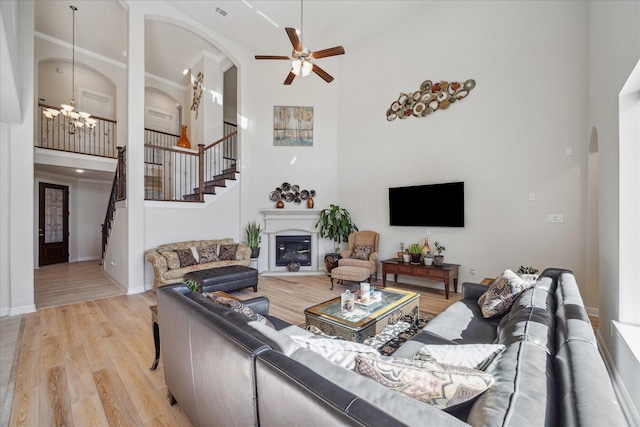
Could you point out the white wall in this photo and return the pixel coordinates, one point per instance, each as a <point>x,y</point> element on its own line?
<point>505,140</point>
<point>16,282</point>
<point>55,87</point>
<point>614,50</point>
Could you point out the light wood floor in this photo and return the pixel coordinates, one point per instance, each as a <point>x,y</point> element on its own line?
<point>66,283</point>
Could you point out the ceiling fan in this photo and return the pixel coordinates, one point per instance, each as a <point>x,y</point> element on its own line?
<point>302,57</point>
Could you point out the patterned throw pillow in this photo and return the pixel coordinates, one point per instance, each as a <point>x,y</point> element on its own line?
<point>173,261</point>
<point>501,294</point>
<point>186,257</point>
<point>340,352</point>
<point>475,356</point>
<point>238,307</point>
<point>436,384</point>
<point>208,254</point>
<point>228,252</point>
<point>362,252</point>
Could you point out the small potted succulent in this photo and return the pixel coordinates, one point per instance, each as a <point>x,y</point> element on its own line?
<point>438,259</point>
<point>401,251</point>
<point>415,250</point>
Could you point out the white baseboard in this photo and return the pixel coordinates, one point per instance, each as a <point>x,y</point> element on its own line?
<point>136,290</point>
<point>14,311</point>
<point>626,403</point>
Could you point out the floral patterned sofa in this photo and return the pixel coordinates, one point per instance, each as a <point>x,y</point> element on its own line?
<point>172,261</point>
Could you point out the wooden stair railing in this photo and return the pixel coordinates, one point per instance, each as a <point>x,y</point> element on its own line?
<point>173,174</point>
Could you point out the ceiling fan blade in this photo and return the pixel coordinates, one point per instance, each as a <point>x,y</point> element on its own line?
<point>272,57</point>
<point>333,51</point>
<point>322,73</point>
<point>289,78</point>
<point>293,36</point>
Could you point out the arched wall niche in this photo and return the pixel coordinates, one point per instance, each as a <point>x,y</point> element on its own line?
<point>55,77</point>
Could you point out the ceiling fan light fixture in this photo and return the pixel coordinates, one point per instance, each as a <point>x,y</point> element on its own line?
<point>296,65</point>
<point>306,68</point>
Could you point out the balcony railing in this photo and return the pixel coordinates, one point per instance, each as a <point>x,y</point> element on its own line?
<point>99,141</point>
<point>175,174</point>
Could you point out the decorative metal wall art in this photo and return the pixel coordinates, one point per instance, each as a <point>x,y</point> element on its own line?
<point>293,126</point>
<point>431,97</point>
<point>197,93</point>
<point>292,193</point>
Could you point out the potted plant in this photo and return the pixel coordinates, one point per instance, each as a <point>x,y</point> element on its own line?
<point>529,274</point>
<point>415,250</point>
<point>335,224</point>
<point>401,251</point>
<point>438,259</point>
<point>254,237</point>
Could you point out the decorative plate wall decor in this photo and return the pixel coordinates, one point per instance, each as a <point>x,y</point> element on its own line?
<point>431,97</point>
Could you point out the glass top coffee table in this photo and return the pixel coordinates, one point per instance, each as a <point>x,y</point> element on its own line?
<point>365,320</point>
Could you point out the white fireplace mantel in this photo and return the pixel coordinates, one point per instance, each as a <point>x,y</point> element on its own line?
<point>287,222</point>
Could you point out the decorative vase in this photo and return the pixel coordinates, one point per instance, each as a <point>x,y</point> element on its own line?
<point>310,203</point>
<point>406,258</point>
<point>183,141</point>
<point>425,249</point>
<point>279,204</point>
<point>428,259</point>
<point>400,253</point>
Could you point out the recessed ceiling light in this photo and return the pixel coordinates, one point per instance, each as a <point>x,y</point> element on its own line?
<point>185,71</point>
<point>80,170</point>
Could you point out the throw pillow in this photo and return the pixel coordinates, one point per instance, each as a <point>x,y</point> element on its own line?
<point>208,254</point>
<point>340,352</point>
<point>238,307</point>
<point>186,257</point>
<point>475,356</point>
<point>436,384</point>
<point>173,261</point>
<point>362,252</point>
<point>228,252</point>
<point>501,294</point>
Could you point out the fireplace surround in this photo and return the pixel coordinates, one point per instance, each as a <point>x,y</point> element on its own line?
<point>287,223</point>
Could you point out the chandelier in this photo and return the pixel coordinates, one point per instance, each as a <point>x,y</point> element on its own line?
<point>72,120</point>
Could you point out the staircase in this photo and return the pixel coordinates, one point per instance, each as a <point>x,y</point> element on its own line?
<point>219,180</point>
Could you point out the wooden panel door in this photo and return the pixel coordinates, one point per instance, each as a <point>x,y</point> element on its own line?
<point>53,224</point>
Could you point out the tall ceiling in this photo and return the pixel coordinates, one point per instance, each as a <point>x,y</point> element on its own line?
<point>257,25</point>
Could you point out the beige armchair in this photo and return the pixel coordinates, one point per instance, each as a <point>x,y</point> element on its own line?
<point>362,252</point>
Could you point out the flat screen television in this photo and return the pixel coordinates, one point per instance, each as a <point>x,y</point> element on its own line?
<point>435,205</point>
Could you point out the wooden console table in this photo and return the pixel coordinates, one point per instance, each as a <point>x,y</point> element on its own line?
<point>446,273</point>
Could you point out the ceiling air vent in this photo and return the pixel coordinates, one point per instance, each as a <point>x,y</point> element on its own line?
<point>222,12</point>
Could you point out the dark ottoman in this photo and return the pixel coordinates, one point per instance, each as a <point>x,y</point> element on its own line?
<point>228,278</point>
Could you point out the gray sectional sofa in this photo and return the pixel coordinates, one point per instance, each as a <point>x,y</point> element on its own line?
<point>226,369</point>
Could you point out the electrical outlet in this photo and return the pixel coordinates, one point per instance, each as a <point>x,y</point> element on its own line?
<point>555,218</point>
<point>472,272</point>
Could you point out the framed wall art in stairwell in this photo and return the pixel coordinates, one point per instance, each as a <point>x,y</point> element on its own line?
<point>293,126</point>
